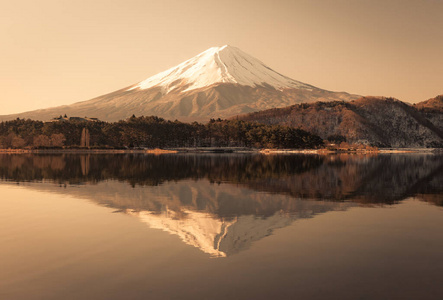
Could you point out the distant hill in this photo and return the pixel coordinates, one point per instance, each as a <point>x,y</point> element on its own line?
<point>435,104</point>
<point>432,109</point>
<point>379,121</point>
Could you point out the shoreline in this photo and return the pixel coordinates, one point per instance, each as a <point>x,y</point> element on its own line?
<point>221,150</point>
<point>86,151</point>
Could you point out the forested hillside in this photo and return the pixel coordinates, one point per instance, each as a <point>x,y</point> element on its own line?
<point>152,132</point>
<point>381,122</point>
<point>432,109</point>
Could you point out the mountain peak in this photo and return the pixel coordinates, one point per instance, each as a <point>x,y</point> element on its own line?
<point>225,64</point>
<point>220,82</point>
<point>220,48</point>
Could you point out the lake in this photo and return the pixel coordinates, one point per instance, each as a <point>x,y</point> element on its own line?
<point>221,226</point>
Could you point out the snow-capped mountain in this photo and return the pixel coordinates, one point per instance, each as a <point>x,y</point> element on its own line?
<point>219,82</point>
<point>225,64</point>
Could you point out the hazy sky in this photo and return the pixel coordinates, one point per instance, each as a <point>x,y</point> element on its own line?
<point>56,52</point>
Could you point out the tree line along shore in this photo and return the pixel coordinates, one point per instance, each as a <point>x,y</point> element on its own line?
<point>154,132</point>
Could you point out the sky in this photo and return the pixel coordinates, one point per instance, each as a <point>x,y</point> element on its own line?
<point>56,52</point>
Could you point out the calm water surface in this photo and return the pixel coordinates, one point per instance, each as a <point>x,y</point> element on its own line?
<point>221,227</point>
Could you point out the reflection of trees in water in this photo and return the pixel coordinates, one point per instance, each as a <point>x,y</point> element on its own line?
<point>431,192</point>
<point>85,164</point>
<point>368,179</point>
<point>377,179</point>
<point>395,176</point>
<point>152,170</point>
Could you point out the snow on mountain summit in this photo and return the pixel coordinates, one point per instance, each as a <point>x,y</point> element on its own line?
<point>224,64</point>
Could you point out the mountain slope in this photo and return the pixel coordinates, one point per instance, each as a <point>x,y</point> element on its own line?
<point>431,104</point>
<point>432,109</point>
<point>379,121</point>
<point>219,82</point>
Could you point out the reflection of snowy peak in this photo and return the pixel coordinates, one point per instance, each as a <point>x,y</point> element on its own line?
<point>221,237</point>
<point>225,64</point>
<point>214,236</point>
<point>198,229</point>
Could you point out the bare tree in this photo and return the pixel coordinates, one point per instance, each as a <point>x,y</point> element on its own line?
<point>42,141</point>
<point>58,140</point>
<point>7,140</point>
<point>18,142</point>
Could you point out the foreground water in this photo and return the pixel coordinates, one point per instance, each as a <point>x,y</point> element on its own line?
<point>221,227</point>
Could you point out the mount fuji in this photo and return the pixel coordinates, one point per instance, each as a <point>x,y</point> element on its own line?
<point>219,82</point>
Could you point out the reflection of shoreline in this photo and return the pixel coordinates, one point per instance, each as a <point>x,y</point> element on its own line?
<point>361,178</point>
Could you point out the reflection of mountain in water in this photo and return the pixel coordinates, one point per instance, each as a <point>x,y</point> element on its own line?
<point>222,204</point>
<point>219,219</point>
